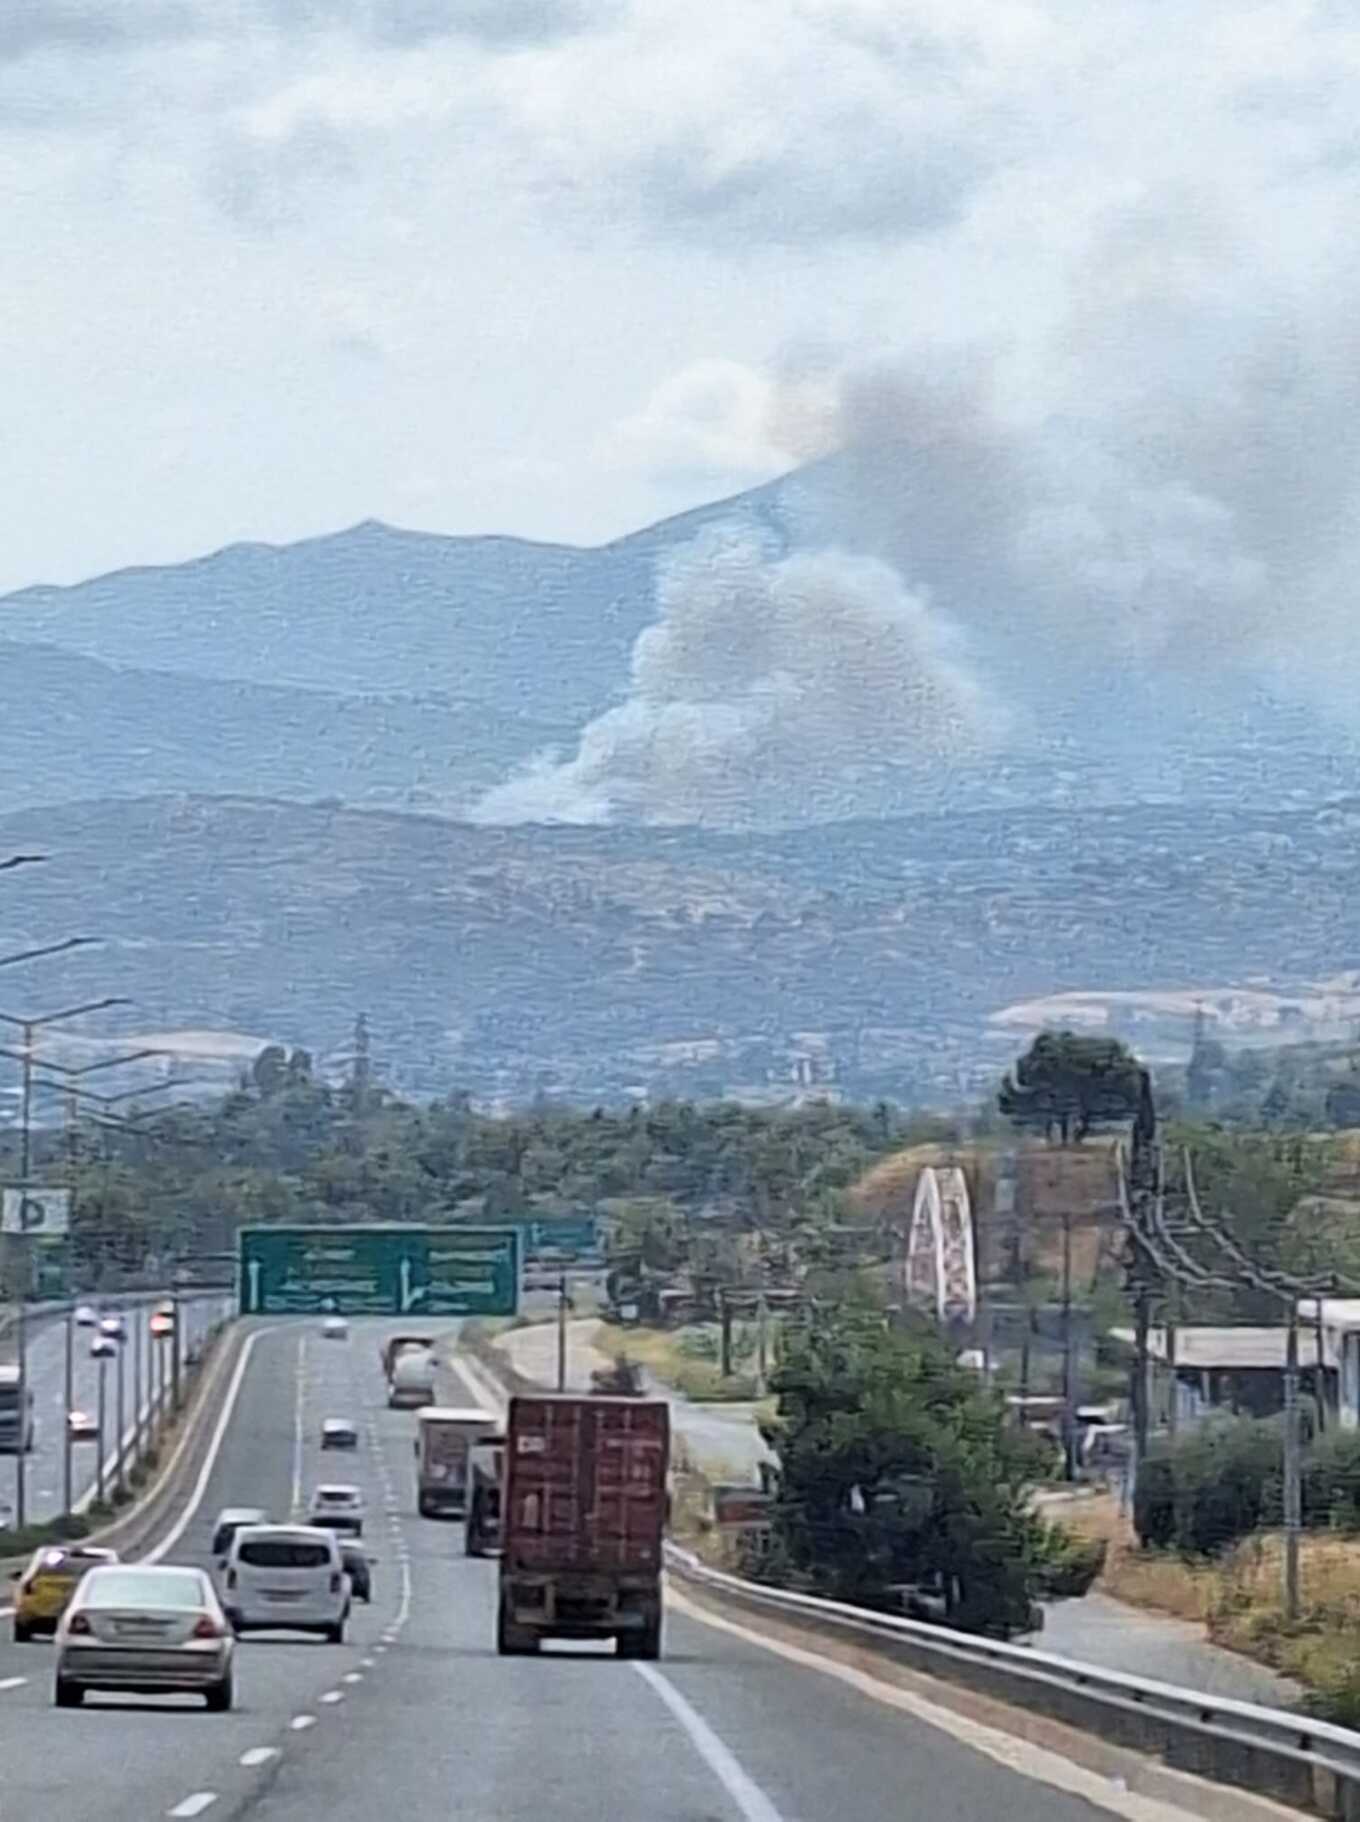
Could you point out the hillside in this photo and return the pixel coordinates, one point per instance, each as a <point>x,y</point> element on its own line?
<point>73,727</point>
<point>531,644</point>
<point>866,959</point>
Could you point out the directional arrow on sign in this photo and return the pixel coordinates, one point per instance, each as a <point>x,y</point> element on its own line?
<point>409,1297</point>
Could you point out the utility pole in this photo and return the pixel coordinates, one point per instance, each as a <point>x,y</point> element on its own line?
<point>562,1333</point>
<point>1069,1417</point>
<point>1293,1502</point>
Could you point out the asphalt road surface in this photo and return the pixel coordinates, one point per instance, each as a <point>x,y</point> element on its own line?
<point>415,1716</point>
<point>46,1369</point>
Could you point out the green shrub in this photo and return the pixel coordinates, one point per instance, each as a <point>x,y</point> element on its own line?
<point>1206,1490</point>
<point>1066,1565</point>
<point>1154,1501</point>
<point>1331,1482</point>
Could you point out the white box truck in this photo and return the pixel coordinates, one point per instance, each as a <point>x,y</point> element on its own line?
<point>445,1436</point>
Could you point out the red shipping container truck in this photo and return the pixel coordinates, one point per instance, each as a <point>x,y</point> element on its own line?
<point>582,1521</point>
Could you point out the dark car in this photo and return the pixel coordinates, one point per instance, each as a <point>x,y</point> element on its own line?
<point>357,1568</point>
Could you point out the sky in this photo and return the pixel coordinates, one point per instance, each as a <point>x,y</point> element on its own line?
<point>560,267</point>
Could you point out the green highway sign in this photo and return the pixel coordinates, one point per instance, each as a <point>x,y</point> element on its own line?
<point>571,1234</point>
<point>391,1270</point>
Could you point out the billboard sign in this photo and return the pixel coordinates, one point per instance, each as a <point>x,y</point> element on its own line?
<point>390,1270</point>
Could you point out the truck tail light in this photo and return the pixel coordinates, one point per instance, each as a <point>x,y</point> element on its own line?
<point>336,1582</point>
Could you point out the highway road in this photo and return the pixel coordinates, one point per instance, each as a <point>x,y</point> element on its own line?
<point>415,1716</point>
<point>46,1368</point>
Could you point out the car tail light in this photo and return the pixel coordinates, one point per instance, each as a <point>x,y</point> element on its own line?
<point>78,1623</point>
<point>207,1628</point>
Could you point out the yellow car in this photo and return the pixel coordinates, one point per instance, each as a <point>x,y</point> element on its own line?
<point>44,1588</point>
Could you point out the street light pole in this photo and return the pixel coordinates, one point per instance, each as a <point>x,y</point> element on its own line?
<point>27,1029</point>
<point>136,1393</point>
<point>25,1267</point>
<point>120,1453</point>
<point>67,1467</point>
<point>103,1412</point>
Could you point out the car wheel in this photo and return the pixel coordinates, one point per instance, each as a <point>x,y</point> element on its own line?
<point>67,1695</point>
<point>514,1641</point>
<point>219,1697</point>
<point>335,1635</point>
<point>23,1632</point>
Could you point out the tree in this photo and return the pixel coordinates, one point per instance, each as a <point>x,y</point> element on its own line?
<point>896,1466</point>
<point>269,1072</point>
<point>1069,1085</point>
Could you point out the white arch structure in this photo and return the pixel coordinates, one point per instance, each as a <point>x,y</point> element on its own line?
<point>941,1266</point>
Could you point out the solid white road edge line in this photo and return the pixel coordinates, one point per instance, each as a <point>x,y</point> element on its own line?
<point>224,1417</point>
<point>1031,1761</point>
<point>483,1388</point>
<point>749,1798</point>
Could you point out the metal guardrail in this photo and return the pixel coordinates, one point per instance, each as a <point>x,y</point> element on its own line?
<point>1311,1764</point>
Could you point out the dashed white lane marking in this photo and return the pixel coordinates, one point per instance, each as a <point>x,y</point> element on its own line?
<point>259,1755</point>
<point>378,1650</point>
<point>353,1676</point>
<point>366,1663</point>
<point>301,1722</point>
<point>195,1805</point>
<point>12,1682</point>
<point>749,1798</point>
<point>334,1695</point>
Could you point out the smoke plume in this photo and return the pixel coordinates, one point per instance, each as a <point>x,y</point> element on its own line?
<point>771,689</point>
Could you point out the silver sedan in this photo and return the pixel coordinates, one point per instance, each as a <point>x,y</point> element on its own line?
<point>147,1631</point>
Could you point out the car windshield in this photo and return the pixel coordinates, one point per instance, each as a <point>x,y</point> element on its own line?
<point>142,1588</point>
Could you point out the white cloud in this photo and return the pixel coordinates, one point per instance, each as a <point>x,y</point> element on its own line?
<point>576,241</point>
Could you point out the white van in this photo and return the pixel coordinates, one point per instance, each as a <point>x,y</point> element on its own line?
<point>286,1578</point>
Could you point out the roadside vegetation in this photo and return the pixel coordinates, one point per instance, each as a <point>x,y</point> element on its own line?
<point>901,1487</point>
